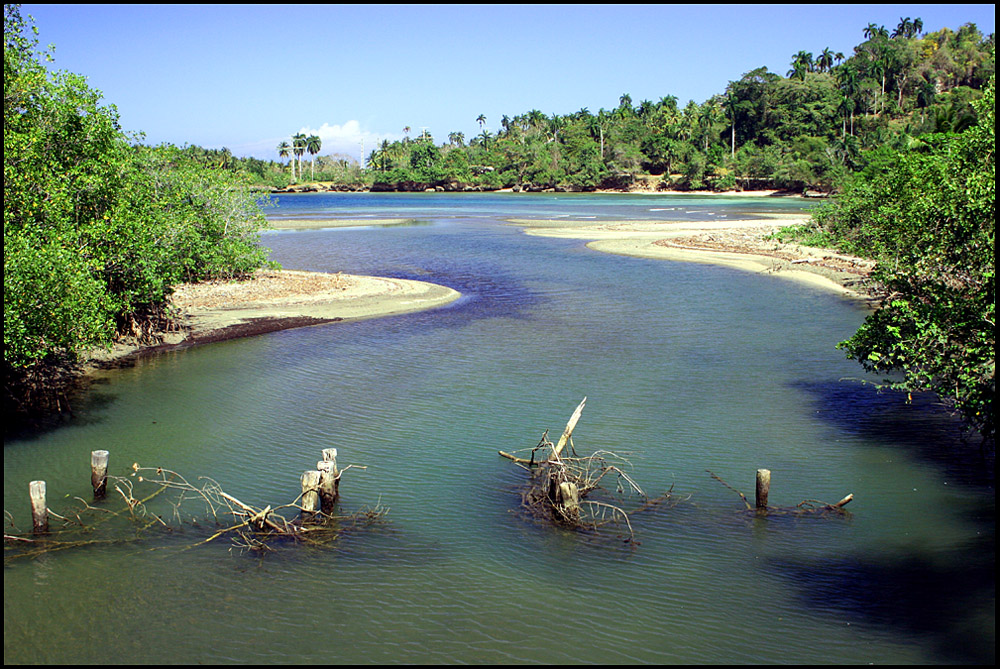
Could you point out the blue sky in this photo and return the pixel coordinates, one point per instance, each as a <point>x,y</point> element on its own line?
<point>248,76</point>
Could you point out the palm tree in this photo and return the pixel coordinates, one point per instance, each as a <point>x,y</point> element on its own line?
<point>505,124</point>
<point>825,60</point>
<point>456,139</point>
<point>802,62</point>
<point>731,104</point>
<point>536,119</point>
<point>904,29</point>
<point>384,153</point>
<point>481,119</point>
<point>299,148</point>
<point>313,144</point>
<point>625,106</point>
<point>709,115</point>
<point>645,110</point>
<point>283,150</point>
<point>849,82</point>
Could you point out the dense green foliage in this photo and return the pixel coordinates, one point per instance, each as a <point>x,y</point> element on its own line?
<point>98,229</point>
<point>809,129</point>
<point>927,215</point>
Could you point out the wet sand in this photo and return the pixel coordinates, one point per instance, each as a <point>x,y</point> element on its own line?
<point>740,244</point>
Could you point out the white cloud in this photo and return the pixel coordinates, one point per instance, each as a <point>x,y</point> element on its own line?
<point>346,139</point>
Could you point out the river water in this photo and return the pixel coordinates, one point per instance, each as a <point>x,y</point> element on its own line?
<point>688,368</point>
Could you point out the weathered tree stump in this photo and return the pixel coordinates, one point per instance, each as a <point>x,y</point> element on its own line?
<point>39,510</point>
<point>568,500</point>
<point>329,485</point>
<point>99,473</point>
<point>329,482</point>
<point>763,487</point>
<point>310,492</point>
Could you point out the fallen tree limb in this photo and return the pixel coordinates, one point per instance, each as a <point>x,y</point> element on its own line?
<point>805,507</point>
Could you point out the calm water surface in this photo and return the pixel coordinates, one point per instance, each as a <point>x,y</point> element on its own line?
<point>686,367</point>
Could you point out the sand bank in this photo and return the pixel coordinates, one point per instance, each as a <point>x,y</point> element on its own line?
<point>740,244</point>
<point>279,300</point>
<point>320,223</point>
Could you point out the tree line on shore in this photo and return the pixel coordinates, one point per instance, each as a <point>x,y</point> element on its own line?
<point>927,215</point>
<point>811,128</point>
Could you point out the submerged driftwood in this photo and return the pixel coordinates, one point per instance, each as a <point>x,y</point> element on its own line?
<point>803,508</point>
<point>567,489</point>
<point>191,505</point>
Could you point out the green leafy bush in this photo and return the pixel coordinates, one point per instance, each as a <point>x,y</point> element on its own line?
<point>98,230</point>
<point>928,217</point>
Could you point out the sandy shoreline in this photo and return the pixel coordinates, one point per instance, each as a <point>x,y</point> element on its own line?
<point>278,300</point>
<point>320,223</point>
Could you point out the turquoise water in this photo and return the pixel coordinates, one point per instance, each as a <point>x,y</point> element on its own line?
<point>686,367</point>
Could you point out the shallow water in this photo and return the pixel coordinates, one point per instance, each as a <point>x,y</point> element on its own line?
<point>686,367</point>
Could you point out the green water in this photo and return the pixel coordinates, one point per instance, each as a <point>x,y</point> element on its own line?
<point>686,367</point>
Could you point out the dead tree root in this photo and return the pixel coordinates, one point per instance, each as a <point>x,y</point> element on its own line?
<point>571,491</point>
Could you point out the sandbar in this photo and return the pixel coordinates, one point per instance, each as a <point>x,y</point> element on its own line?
<point>320,223</point>
<point>744,244</point>
<point>277,300</point>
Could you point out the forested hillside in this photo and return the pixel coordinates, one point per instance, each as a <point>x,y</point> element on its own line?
<point>927,214</point>
<point>805,128</point>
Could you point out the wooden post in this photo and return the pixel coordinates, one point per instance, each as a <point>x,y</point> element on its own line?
<point>330,455</point>
<point>39,510</point>
<point>763,487</point>
<point>310,496</point>
<point>329,484</point>
<point>99,473</point>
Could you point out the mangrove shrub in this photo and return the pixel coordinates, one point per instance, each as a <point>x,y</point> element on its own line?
<point>927,215</point>
<point>98,229</point>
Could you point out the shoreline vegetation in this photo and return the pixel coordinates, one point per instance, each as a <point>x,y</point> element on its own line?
<point>639,185</point>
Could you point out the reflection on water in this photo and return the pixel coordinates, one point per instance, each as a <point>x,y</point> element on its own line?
<point>686,368</point>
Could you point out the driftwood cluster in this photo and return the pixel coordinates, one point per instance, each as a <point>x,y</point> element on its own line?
<point>761,506</point>
<point>564,488</point>
<point>567,489</point>
<point>309,519</point>
<point>572,491</point>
